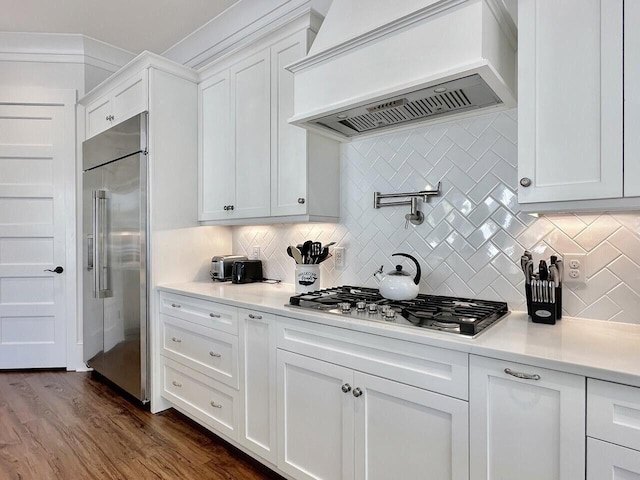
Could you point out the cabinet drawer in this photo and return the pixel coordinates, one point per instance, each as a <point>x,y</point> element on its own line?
<point>130,97</point>
<point>613,413</point>
<point>200,397</point>
<point>208,351</point>
<point>431,368</point>
<point>203,312</point>
<point>606,461</point>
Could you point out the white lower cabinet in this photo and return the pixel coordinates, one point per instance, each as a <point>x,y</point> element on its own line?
<point>337,423</point>
<point>606,461</point>
<point>526,423</point>
<point>258,359</point>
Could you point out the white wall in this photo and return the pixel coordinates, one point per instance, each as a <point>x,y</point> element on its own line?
<point>473,235</point>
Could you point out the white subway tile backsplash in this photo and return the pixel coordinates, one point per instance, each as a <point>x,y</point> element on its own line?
<point>473,235</point>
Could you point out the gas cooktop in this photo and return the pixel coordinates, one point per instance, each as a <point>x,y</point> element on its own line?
<point>462,316</point>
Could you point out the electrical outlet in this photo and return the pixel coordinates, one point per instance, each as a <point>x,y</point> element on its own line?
<point>256,252</point>
<point>338,257</point>
<point>575,265</point>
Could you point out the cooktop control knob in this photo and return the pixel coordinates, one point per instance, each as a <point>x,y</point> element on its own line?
<point>361,306</point>
<point>372,308</point>
<point>345,307</point>
<point>389,314</point>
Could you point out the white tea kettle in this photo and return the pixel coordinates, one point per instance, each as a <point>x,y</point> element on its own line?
<point>398,284</point>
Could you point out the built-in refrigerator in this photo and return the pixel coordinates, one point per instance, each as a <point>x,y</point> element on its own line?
<point>115,239</point>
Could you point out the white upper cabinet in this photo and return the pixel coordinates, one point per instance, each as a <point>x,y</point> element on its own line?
<point>254,165</point>
<point>123,101</point>
<point>632,98</point>
<point>570,102</point>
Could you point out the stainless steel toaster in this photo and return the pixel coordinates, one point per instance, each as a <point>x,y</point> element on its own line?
<point>221,266</point>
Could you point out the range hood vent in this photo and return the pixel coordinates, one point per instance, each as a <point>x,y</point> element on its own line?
<point>440,100</point>
<point>378,65</point>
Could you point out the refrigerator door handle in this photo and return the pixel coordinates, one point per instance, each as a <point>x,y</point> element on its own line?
<point>90,252</point>
<point>101,261</point>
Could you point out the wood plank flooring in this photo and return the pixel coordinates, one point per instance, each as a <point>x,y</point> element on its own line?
<point>68,426</point>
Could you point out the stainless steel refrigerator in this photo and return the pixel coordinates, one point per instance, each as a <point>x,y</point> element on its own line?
<point>115,239</point>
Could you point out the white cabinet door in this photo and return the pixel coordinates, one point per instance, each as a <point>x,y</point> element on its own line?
<point>570,100</point>
<point>130,97</point>
<point>126,99</point>
<point>288,142</point>
<point>251,111</point>
<point>529,428</point>
<point>405,432</point>
<point>606,461</point>
<point>98,116</point>
<point>258,415</point>
<point>315,418</point>
<point>631,98</point>
<point>217,173</point>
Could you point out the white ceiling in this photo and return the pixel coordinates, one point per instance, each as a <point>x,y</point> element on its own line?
<point>134,25</point>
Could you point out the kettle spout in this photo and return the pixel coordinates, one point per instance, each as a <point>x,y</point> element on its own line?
<point>378,275</point>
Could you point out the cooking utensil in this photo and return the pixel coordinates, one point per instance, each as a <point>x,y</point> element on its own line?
<point>324,255</point>
<point>306,246</point>
<point>398,285</point>
<point>295,253</point>
<point>315,251</point>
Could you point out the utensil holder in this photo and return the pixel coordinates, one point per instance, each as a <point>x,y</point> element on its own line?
<point>307,278</point>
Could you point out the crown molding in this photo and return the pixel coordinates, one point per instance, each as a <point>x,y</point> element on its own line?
<point>61,48</point>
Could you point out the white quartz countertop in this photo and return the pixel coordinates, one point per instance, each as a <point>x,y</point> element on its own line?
<point>604,350</point>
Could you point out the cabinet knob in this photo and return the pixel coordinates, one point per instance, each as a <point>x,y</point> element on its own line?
<point>301,201</point>
<point>256,317</point>
<point>525,182</point>
<point>216,405</point>
<point>346,388</point>
<point>214,354</point>
<point>357,392</point>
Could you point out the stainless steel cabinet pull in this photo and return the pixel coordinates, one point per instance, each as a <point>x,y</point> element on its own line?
<point>524,376</point>
<point>176,339</point>
<point>346,388</point>
<point>214,315</point>
<point>301,201</point>
<point>216,405</point>
<point>357,392</point>
<point>256,317</point>
<point>176,384</point>
<point>214,354</point>
<point>176,305</point>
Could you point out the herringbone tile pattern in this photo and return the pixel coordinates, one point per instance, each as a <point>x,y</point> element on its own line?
<point>473,234</point>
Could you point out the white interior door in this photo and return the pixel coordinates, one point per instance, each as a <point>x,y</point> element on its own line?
<point>34,148</point>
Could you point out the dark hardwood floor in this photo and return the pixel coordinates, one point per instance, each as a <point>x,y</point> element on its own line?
<point>70,426</point>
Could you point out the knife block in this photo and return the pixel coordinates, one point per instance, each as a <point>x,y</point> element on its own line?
<point>544,312</point>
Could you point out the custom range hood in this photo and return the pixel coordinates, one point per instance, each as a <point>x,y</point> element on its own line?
<point>379,64</point>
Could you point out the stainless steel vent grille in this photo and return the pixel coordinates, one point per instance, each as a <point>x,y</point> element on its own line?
<point>389,114</point>
<point>455,97</point>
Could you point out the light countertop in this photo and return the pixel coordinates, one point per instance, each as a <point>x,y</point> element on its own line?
<point>593,348</point>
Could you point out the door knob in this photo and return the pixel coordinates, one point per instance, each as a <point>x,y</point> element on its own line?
<point>58,269</point>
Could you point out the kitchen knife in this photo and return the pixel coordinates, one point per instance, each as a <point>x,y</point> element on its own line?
<point>534,291</point>
<point>545,291</point>
<point>543,270</point>
<point>524,263</point>
<point>552,292</point>
<point>560,267</point>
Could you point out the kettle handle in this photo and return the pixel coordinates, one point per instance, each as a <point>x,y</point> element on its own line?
<point>416,279</point>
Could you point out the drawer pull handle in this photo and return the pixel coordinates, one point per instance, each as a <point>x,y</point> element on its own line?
<point>214,315</point>
<point>256,317</point>
<point>176,305</point>
<point>524,376</point>
<point>216,405</point>
<point>214,354</point>
<point>176,339</point>
<point>176,384</point>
